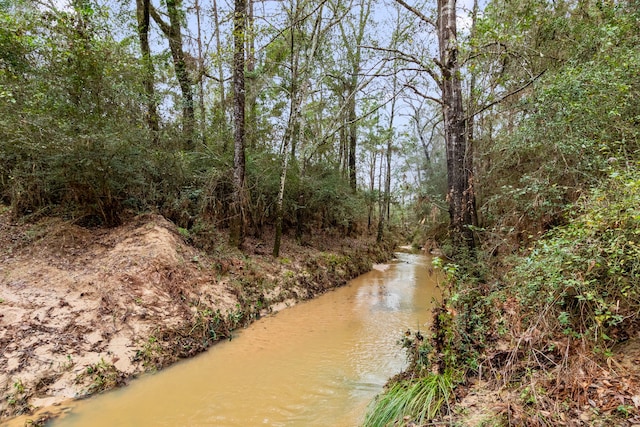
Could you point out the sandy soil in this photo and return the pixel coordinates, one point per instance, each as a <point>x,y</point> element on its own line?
<point>83,310</point>
<point>73,298</point>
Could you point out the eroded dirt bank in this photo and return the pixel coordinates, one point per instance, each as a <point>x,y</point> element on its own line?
<point>84,310</point>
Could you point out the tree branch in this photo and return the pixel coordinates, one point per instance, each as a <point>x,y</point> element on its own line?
<point>481,51</point>
<point>416,12</point>
<point>166,29</point>
<point>409,58</point>
<point>424,95</point>
<point>513,92</point>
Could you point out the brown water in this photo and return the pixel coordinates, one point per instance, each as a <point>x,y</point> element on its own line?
<point>318,363</point>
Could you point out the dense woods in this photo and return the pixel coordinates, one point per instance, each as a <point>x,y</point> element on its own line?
<point>543,313</point>
<point>187,109</point>
<point>504,132</point>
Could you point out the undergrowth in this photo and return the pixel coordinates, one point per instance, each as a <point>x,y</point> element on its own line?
<point>581,280</point>
<point>416,400</point>
<point>578,282</point>
<point>543,324</point>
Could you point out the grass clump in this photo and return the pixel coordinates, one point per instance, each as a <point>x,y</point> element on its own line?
<point>417,400</point>
<point>102,376</point>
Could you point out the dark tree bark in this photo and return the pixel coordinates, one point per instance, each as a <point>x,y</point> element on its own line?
<point>237,231</point>
<point>173,32</point>
<point>460,193</point>
<point>142,9</point>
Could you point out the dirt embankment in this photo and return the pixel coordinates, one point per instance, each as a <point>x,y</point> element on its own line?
<point>84,310</point>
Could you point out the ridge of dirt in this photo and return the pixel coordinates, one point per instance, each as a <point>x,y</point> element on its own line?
<point>83,310</point>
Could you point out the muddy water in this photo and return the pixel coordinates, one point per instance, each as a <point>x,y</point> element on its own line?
<point>316,364</point>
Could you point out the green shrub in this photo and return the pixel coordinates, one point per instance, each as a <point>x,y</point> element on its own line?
<point>72,133</point>
<point>585,276</point>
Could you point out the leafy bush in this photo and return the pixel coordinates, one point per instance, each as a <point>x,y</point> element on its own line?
<point>584,276</point>
<point>581,117</point>
<point>72,133</point>
<point>329,200</point>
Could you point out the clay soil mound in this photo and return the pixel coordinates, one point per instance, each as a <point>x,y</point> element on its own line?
<point>78,305</point>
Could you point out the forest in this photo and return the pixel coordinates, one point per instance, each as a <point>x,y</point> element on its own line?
<point>503,135</point>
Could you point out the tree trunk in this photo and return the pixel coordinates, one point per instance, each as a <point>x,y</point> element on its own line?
<point>471,125</point>
<point>372,186</point>
<point>279,202</point>
<point>297,94</point>
<point>173,32</point>
<point>353,129</point>
<point>380,203</point>
<point>142,9</point>
<point>289,135</point>
<point>387,183</point>
<point>353,44</point>
<point>344,144</point>
<point>300,226</point>
<point>237,231</point>
<point>460,193</point>
<point>252,112</point>
<point>221,114</point>
<point>201,72</point>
